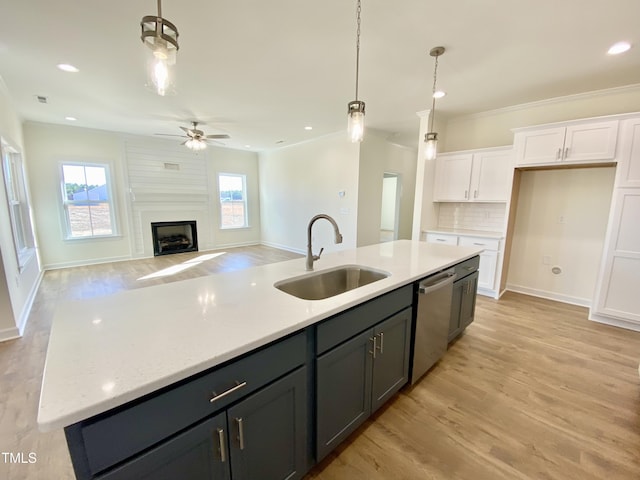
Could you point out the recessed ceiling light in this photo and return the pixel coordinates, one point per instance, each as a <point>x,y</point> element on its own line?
<point>65,67</point>
<point>439,94</point>
<point>247,146</point>
<point>618,48</point>
<point>71,119</point>
<point>308,127</point>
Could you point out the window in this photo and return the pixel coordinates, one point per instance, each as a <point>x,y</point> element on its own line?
<point>233,200</point>
<point>18,204</point>
<point>87,200</point>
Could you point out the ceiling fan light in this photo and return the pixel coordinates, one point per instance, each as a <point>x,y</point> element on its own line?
<point>195,145</point>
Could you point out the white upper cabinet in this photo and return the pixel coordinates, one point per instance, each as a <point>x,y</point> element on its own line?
<point>585,142</point>
<point>474,176</point>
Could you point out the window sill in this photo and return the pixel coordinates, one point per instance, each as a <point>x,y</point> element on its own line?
<point>116,236</point>
<point>247,227</point>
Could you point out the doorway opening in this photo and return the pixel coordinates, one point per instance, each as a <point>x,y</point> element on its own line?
<point>390,211</point>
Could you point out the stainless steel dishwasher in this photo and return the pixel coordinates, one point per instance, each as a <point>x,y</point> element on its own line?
<point>432,321</point>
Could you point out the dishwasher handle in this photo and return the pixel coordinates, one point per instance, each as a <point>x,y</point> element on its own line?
<point>438,281</point>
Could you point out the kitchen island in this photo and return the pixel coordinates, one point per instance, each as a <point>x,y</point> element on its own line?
<point>107,354</point>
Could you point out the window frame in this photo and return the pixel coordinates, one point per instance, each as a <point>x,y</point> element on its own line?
<point>66,227</point>
<point>243,177</point>
<point>15,184</point>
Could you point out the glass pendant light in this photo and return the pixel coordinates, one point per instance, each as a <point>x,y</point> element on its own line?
<point>355,108</point>
<point>431,138</point>
<point>161,36</point>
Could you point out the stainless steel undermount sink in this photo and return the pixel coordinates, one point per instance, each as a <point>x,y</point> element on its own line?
<point>331,282</point>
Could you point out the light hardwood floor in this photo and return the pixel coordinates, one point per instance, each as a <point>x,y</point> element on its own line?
<point>532,390</point>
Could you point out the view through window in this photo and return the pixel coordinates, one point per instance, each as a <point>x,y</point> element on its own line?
<point>87,200</point>
<point>233,200</point>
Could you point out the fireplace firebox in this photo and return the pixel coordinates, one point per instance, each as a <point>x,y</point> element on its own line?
<point>174,237</point>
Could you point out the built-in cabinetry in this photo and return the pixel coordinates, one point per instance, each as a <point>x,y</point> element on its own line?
<point>578,142</point>
<point>482,175</point>
<point>463,302</point>
<point>244,420</point>
<point>490,259</point>
<point>363,359</point>
<point>617,300</point>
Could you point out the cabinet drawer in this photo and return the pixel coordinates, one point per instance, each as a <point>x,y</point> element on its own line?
<point>467,267</point>
<point>442,238</point>
<point>486,243</point>
<point>143,423</point>
<point>345,325</point>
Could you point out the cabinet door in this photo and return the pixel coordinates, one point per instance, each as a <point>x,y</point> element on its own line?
<point>269,431</point>
<point>200,453</point>
<point>343,391</point>
<point>591,142</point>
<point>452,177</point>
<point>456,303</point>
<point>487,270</point>
<point>491,176</point>
<point>618,287</point>
<point>468,300</point>
<point>539,147</point>
<point>391,361</point>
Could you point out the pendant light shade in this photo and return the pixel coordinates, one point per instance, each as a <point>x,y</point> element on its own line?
<point>355,108</point>
<point>161,38</point>
<point>431,138</point>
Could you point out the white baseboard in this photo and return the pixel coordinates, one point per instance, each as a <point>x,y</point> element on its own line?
<point>488,293</point>
<point>616,322</point>
<point>283,247</point>
<point>9,334</point>
<point>534,292</point>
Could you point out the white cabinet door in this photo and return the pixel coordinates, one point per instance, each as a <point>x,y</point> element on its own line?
<point>628,171</point>
<point>453,174</point>
<point>618,289</point>
<point>539,147</point>
<point>491,176</point>
<point>487,269</point>
<point>591,142</point>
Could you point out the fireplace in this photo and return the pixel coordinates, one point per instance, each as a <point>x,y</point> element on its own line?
<point>174,237</point>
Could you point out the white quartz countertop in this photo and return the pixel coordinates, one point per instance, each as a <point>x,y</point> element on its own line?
<point>106,351</point>
<point>464,232</point>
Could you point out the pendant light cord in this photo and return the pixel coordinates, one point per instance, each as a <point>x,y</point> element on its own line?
<point>358,10</point>
<point>433,104</point>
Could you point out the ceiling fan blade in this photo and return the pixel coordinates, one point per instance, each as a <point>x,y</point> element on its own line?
<point>221,135</point>
<point>185,130</point>
<point>168,135</point>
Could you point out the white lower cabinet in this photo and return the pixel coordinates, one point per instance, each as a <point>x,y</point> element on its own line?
<point>617,291</point>
<point>490,258</point>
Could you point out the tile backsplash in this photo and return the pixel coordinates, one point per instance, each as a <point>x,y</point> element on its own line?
<point>489,217</point>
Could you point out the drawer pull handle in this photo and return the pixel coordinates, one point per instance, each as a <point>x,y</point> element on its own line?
<point>216,397</point>
<point>469,269</point>
<point>440,240</point>
<point>566,153</point>
<point>240,432</point>
<point>559,153</point>
<point>223,449</point>
<point>480,244</point>
<point>374,339</point>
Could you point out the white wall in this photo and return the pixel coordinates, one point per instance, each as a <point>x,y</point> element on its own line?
<point>582,198</point>
<point>389,196</point>
<point>300,181</point>
<point>378,156</point>
<point>493,129</point>
<point>17,286</point>
<point>48,145</point>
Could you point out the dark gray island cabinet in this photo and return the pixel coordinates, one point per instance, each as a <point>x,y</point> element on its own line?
<point>271,413</point>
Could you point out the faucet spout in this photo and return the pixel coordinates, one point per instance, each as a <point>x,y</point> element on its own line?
<point>338,239</point>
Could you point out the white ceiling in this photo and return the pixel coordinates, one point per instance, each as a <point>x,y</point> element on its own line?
<point>263,70</point>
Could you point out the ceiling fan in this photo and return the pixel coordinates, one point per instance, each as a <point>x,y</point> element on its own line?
<point>196,139</point>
